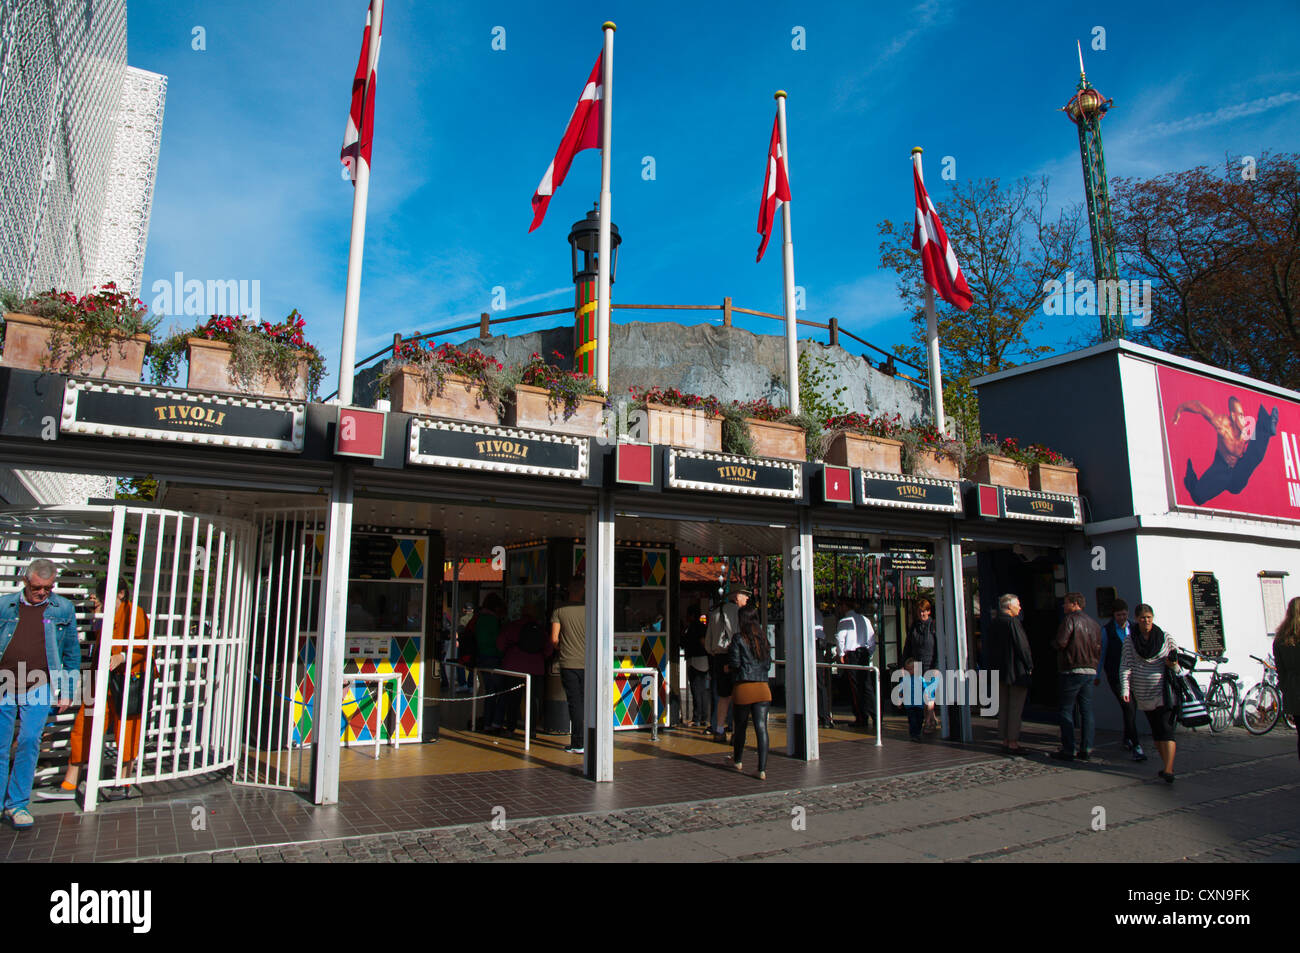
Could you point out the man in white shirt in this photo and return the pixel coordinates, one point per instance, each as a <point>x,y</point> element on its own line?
<point>856,640</point>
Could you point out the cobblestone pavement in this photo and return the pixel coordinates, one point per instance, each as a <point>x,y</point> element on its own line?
<point>1235,800</point>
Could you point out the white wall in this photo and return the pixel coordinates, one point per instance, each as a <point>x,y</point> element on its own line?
<point>1167,564</point>
<point>1146,446</point>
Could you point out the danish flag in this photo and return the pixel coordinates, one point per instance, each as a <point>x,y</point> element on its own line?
<point>942,272</point>
<point>582,132</point>
<point>356,139</point>
<point>776,188</point>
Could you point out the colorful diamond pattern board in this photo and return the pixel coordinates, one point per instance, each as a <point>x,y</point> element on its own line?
<point>654,567</point>
<point>633,706</point>
<point>317,554</point>
<point>579,560</point>
<point>359,716</point>
<point>528,567</point>
<point>409,557</point>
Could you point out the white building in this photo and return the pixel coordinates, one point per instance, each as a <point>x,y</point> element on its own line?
<point>1155,438</point>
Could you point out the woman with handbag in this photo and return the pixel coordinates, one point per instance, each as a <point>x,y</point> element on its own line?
<point>1286,655</point>
<point>126,690</point>
<point>921,655</point>
<point>750,659</point>
<point>1147,668</point>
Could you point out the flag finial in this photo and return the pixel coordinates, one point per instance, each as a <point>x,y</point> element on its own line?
<point>779,94</point>
<point>609,25</point>
<point>917,150</point>
<point>1079,46</point>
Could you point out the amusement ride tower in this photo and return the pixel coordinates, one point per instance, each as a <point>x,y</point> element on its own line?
<point>1085,109</point>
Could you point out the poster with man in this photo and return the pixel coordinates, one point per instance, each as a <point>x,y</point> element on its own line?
<point>1230,448</point>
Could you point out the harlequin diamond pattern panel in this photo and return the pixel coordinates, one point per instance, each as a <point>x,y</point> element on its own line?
<point>633,706</point>
<point>579,560</point>
<point>408,558</point>
<point>359,715</point>
<point>654,567</point>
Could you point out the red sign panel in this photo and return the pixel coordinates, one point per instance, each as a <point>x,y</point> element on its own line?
<point>635,463</point>
<point>989,503</point>
<point>1230,448</point>
<point>839,484</point>
<point>360,433</point>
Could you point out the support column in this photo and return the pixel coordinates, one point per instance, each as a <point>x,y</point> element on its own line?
<point>598,704</point>
<point>328,697</point>
<point>964,663</point>
<point>801,655</point>
<point>950,619</point>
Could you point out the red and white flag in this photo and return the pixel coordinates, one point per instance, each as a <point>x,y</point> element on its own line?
<point>582,132</point>
<point>942,272</point>
<point>776,188</point>
<point>356,139</point>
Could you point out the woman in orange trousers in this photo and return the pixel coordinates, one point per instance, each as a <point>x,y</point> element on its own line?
<point>130,744</point>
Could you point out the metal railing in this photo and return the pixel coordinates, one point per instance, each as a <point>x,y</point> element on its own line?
<point>834,666</point>
<point>486,321</point>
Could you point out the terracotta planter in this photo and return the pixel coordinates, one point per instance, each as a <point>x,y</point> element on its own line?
<point>868,453</point>
<point>682,427</point>
<point>1001,471</point>
<point>461,398</point>
<point>931,463</point>
<point>532,408</point>
<point>1053,479</point>
<point>772,439</point>
<point>210,370</point>
<point>27,346</point>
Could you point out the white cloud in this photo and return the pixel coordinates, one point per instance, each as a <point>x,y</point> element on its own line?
<point>1225,114</point>
<point>863,303</point>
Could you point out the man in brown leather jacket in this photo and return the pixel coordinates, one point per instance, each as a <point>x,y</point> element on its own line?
<point>1078,649</point>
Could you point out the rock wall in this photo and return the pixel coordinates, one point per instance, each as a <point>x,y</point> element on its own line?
<point>728,362</point>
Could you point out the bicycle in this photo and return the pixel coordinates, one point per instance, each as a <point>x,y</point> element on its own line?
<point>1263,703</point>
<point>1223,697</point>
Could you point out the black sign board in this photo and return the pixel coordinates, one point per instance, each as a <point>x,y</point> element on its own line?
<point>627,568</point>
<point>910,493</point>
<point>722,473</point>
<point>918,558</point>
<point>1047,507</point>
<point>1207,613</point>
<point>497,449</point>
<point>137,412</point>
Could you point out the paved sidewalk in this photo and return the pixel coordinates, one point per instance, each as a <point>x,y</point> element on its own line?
<point>1235,799</point>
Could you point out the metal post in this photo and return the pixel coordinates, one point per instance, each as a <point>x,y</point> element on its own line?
<point>598,705</point>
<point>958,587</point>
<point>606,213</point>
<point>800,653</point>
<point>787,261</point>
<point>328,698</point>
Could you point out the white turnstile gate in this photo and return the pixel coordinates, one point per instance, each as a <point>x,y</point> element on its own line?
<point>216,649</point>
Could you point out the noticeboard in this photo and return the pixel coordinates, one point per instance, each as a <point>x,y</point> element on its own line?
<point>1207,614</point>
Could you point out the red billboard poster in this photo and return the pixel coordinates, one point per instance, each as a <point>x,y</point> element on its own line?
<point>1230,448</point>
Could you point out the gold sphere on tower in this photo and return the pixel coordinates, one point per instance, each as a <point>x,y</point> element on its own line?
<point>1086,104</point>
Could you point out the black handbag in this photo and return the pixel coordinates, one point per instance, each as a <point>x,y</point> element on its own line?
<point>1172,697</point>
<point>134,694</point>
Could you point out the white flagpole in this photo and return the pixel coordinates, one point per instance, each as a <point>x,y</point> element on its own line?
<point>360,196</point>
<point>932,333</point>
<point>787,260</point>
<point>606,203</point>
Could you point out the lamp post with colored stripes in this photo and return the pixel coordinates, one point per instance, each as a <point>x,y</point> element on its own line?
<point>584,242</point>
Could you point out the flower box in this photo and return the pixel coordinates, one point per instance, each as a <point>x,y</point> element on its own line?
<point>1001,471</point>
<point>772,439</point>
<point>210,370</point>
<point>27,346</point>
<point>1053,479</point>
<point>932,463</point>
<point>847,449</point>
<point>532,407</point>
<point>461,398</point>
<point>684,427</point>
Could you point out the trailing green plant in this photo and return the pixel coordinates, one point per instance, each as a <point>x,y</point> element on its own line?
<point>764,410</point>
<point>256,351</point>
<point>92,325</point>
<point>434,364</point>
<point>736,438</point>
<point>926,436</point>
<point>816,395</point>
<point>564,388</point>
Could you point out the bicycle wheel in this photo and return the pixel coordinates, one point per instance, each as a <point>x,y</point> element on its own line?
<point>1222,705</point>
<point>1260,708</point>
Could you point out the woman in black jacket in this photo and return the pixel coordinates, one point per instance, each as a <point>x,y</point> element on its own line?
<point>1286,654</point>
<point>750,695</point>
<point>921,655</point>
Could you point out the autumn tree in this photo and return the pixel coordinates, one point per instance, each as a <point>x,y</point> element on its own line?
<point>1222,252</point>
<point>1010,246</point>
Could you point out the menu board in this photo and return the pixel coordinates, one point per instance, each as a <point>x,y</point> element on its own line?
<point>1207,614</point>
<point>627,567</point>
<point>1274,601</point>
<point>372,556</point>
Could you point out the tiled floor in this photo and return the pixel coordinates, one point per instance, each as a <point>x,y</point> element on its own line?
<point>215,815</point>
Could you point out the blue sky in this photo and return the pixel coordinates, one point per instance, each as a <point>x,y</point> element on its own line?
<point>249,184</point>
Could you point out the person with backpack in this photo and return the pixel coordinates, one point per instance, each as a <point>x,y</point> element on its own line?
<point>724,625</point>
<point>525,648</point>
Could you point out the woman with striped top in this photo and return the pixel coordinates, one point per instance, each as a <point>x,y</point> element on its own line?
<point>1147,654</point>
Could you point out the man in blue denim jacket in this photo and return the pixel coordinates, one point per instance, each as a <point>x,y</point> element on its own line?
<point>40,662</point>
